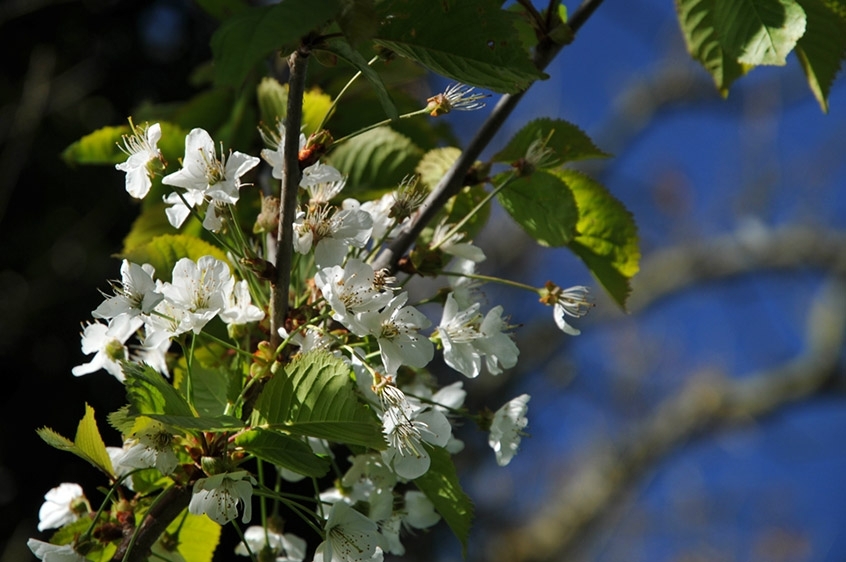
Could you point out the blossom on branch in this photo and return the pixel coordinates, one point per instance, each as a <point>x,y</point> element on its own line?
<point>144,158</point>
<point>218,496</point>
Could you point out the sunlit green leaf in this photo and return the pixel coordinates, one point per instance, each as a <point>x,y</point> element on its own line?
<point>759,32</point>
<point>198,537</point>
<point>435,164</point>
<point>606,235</point>
<point>151,223</point>
<point>98,147</point>
<point>162,252</point>
<point>377,159</point>
<point>283,450</point>
<point>316,105</point>
<point>441,486</point>
<point>87,444</point>
<point>566,142</point>
<point>315,397</point>
<point>200,423</point>
<point>543,205</point>
<point>245,39</point>
<point>474,43</point>
<point>150,393</point>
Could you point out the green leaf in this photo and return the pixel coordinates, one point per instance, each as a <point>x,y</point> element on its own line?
<point>606,235</point>
<point>315,397</point>
<point>435,164</point>
<point>213,381</point>
<point>474,43</point>
<point>200,423</point>
<point>151,223</point>
<point>162,252</point>
<point>759,32</point>
<point>377,159</point>
<point>87,444</point>
<point>441,486</point>
<point>123,419</point>
<point>99,147</point>
<point>149,392</point>
<point>316,105</point>
<point>273,101</point>
<point>567,142</point>
<point>543,205</point>
<point>198,537</point>
<point>696,18</point>
<point>343,49</point>
<point>245,39</point>
<point>283,450</point>
<point>822,48</point>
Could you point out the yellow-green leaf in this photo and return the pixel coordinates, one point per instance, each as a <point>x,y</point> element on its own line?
<point>90,443</point>
<point>198,537</point>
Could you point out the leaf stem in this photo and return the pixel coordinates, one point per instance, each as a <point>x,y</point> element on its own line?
<point>340,94</point>
<point>423,111</point>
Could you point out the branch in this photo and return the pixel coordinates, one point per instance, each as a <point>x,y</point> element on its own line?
<point>560,526</point>
<point>166,509</point>
<point>453,180</point>
<point>298,63</point>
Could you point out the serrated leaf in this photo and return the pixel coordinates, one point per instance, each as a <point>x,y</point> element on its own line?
<point>696,18</point>
<point>343,49</point>
<point>200,423</point>
<point>315,397</point>
<point>475,43</point>
<point>98,147</point>
<point>543,205</point>
<point>149,393</point>
<point>377,159</point>
<point>316,104</point>
<point>759,32</point>
<point>606,235</point>
<point>822,48</point>
<point>441,486</point>
<point>283,450</point>
<point>162,252</point>
<point>198,537</point>
<point>90,443</point>
<point>87,445</point>
<point>245,39</point>
<point>435,163</point>
<point>123,419</point>
<point>567,142</point>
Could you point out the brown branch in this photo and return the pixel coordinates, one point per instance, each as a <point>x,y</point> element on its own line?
<point>453,180</point>
<point>705,404</point>
<point>298,63</point>
<point>172,502</point>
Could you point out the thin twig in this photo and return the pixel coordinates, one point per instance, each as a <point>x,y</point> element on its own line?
<point>298,63</point>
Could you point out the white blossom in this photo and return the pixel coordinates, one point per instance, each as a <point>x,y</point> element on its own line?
<point>218,496</point>
<point>417,512</point>
<point>205,176</point>
<point>142,150</point>
<point>151,447</point>
<point>285,547</point>
<point>239,307</point>
<point>275,157</point>
<point>351,290</point>
<point>570,302</point>
<point>135,294</point>
<point>201,288</point>
<point>108,344</point>
<point>396,329</point>
<point>61,506</point>
<point>54,552</point>
<point>331,232</point>
<point>507,428</point>
<point>452,244</point>
<point>350,537</point>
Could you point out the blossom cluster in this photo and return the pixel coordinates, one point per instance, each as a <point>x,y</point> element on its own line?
<point>363,317</point>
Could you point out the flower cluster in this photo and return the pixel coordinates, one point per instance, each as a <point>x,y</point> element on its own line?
<point>340,385</point>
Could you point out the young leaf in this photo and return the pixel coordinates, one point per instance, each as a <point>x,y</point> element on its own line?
<point>543,205</point>
<point>149,392</point>
<point>98,147</point>
<point>315,397</point>
<point>377,159</point>
<point>822,48</point>
<point>316,105</point>
<point>696,18</point>
<point>245,39</point>
<point>566,141</point>
<point>90,444</point>
<point>474,43</point>
<point>759,32</point>
<point>283,450</point>
<point>435,164</point>
<point>162,252</point>
<point>198,537</point>
<point>152,222</point>
<point>343,49</point>
<point>606,235</point>
<point>441,486</point>
<point>87,445</point>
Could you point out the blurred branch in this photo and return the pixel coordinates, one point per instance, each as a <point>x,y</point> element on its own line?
<point>705,404</point>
